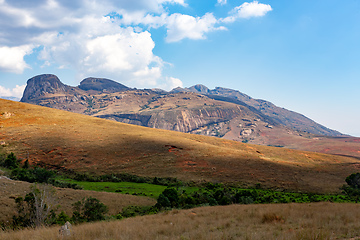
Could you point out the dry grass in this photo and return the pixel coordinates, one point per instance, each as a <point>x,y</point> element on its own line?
<point>9,190</point>
<point>82,143</point>
<point>299,221</point>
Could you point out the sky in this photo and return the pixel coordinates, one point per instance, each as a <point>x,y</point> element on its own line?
<point>302,55</point>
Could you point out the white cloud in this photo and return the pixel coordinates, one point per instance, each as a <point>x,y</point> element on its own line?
<point>171,83</point>
<point>222,2</point>
<point>181,26</point>
<point>248,10</point>
<point>181,2</point>
<point>5,92</point>
<point>15,92</point>
<point>76,35</point>
<point>12,58</point>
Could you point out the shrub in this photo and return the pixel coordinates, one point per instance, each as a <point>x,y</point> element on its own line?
<point>353,180</point>
<point>89,210</point>
<point>132,211</point>
<point>62,218</point>
<point>11,162</point>
<point>37,208</point>
<point>163,202</point>
<point>40,175</point>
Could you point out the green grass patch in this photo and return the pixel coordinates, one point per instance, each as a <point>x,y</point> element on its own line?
<point>139,189</point>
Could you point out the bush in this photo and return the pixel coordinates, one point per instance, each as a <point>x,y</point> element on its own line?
<point>11,162</point>
<point>132,211</point>
<point>62,218</point>
<point>36,208</point>
<point>89,210</point>
<point>353,180</point>
<point>40,175</point>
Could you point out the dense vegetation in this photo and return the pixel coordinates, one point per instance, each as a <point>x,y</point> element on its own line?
<point>171,194</point>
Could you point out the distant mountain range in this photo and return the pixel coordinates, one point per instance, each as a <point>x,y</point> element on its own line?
<point>10,98</point>
<point>220,112</point>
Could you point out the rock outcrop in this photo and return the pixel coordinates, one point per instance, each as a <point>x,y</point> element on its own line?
<point>42,85</point>
<point>102,85</point>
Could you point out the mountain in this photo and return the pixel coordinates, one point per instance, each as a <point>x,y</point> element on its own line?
<point>69,141</point>
<point>221,112</point>
<point>282,116</point>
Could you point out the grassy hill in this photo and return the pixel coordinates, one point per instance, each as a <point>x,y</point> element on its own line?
<point>65,198</point>
<point>81,143</point>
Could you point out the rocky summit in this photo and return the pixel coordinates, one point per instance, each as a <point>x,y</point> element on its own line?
<point>102,85</point>
<point>220,112</point>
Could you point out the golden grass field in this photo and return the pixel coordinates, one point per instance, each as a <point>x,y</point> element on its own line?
<point>275,221</point>
<point>67,140</point>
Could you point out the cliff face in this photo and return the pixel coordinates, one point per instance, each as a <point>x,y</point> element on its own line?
<point>293,120</point>
<point>42,85</point>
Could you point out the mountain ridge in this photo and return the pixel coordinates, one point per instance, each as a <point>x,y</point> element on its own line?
<point>48,90</point>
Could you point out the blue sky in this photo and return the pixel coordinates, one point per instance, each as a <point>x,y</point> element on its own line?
<point>301,55</point>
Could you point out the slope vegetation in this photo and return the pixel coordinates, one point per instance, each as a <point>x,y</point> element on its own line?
<point>65,140</point>
<point>65,197</point>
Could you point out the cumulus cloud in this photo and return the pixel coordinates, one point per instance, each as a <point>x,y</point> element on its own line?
<point>222,2</point>
<point>15,92</point>
<point>248,10</point>
<point>77,34</point>
<point>109,38</point>
<point>171,83</point>
<point>12,58</point>
<point>181,26</point>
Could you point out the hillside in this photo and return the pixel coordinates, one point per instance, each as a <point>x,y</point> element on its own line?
<point>65,197</point>
<point>221,112</point>
<point>65,140</point>
<point>256,222</point>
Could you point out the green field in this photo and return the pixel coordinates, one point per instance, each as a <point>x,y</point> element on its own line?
<point>140,189</point>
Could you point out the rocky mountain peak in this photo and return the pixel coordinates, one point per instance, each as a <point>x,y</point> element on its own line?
<point>199,88</point>
<point>41,85</point>
<point>101,84</point>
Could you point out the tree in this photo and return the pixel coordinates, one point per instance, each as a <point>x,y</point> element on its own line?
<point>26,164</point>
<point>37,208</point>
<point>353,180</point>
<point>44,202</point>
<point>11,161</point>
<point>163,202</point>
<point>89,209</point>
<point>353,187</point>
<point>62,218</point>
<point>168,198</point>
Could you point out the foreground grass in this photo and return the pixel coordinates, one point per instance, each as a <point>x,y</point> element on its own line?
<point>268,221</point>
